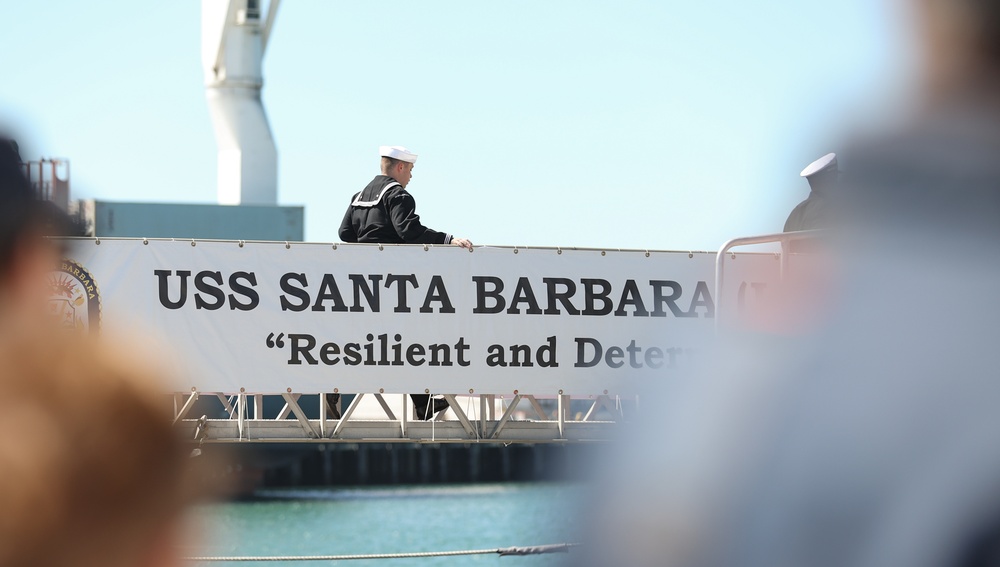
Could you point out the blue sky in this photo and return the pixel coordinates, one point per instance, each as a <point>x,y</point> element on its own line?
<point>620,124</point>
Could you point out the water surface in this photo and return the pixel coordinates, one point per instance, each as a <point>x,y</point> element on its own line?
<point>398,519</point>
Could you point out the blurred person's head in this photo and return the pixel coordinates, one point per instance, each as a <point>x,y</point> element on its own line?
<point>26,255</point>
<point>960,41</point>
<point>93,473</point>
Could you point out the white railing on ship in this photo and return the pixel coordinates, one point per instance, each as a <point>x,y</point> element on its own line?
<point>783,238</point>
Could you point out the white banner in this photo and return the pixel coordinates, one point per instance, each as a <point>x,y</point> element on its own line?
<point>268,317</point>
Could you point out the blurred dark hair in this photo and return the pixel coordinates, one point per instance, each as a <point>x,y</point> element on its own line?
<point>984,16</point>
<point>22,213</point>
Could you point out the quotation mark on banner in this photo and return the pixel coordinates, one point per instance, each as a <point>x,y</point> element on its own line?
<point>273,341</point>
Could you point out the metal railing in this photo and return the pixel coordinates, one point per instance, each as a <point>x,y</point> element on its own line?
<point>784,238</point>
<point>49,177</point>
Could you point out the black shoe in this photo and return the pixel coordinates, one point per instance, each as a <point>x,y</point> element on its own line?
<point>425,414</point>
<point>440,405</point>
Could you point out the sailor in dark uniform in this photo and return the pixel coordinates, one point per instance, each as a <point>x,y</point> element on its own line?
<point>814,212</point>
<point>385,213</point>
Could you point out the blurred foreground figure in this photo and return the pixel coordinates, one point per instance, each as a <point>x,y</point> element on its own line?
<point>91,471</point>
<point>873,440</point>
<point>26,256</point>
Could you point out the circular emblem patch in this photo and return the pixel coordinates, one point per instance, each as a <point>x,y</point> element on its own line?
<point>74,300</point>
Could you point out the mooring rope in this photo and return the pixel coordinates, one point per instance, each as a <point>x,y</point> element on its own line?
<point>501,551</point>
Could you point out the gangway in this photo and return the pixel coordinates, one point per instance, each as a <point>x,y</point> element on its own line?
<point>527,345</point>
<point>486,418</point>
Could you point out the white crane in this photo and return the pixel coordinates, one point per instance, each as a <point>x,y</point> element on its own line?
<point>233,41</point>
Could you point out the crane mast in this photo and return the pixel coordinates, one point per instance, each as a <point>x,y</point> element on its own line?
<point>234,40</point>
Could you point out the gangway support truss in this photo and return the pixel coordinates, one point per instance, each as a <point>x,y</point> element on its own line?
<point>520,419</point>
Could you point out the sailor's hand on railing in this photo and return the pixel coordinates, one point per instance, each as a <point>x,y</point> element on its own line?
<point>464,243</point>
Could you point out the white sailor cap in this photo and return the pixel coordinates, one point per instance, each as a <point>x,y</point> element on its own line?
<point>397,152</point>
<point>829,161</point>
